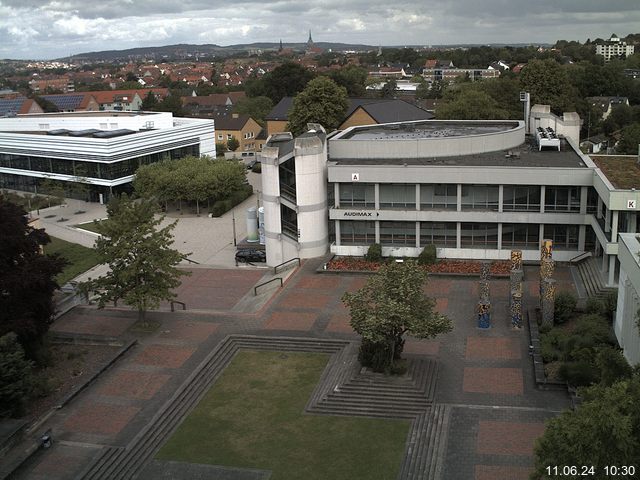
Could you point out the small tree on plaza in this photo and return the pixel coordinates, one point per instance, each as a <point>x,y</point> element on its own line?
<point>142,264</point>
<point>390,305</point>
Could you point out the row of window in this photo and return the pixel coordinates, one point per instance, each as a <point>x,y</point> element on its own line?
<point>444,234</point>
<point>78,168</point>
<point>474,197</point>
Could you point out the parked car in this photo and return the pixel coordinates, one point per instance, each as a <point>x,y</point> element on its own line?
<point>247,256</point>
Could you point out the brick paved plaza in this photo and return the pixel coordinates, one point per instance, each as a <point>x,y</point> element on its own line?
<point>485,377</point>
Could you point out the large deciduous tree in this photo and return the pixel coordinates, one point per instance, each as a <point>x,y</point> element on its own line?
<point>604,430</point>
<point>142,264</point>
<point>283,81</point>
<point>322,101</point>
<point>390,305</point>
<point>16,376</point>
<point>548,83</point>
<point>471,104</point>
<point>27,278</point>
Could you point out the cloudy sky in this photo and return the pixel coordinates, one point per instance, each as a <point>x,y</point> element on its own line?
<point>42,29</point>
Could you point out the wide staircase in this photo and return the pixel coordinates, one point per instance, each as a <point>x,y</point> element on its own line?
<point>593,279</point>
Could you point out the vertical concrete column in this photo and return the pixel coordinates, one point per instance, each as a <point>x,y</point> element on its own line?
<point>458,235</point>
<point>376,195</point>
<point>500,202</point>
<point>336,195</point>
<point>582,235</point>
<point>607,221</point>
<point>499,236</point>
<point>417,234</point>
<point>599,210</point>
<point>543,194</point>
<point>633,222</point>
<point>612,271</point>
<point>417,196</point>
<point>584,193</point>
<point>605,259</point>
<point>337,227</point>
<point>540,235</point>
<point>459,199</point>
<point>614,226</point>
<point>377,231</point>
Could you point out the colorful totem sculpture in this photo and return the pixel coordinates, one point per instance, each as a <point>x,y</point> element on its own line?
<point>484,304</point>
<point>547,284</point>
<point>515,299</point>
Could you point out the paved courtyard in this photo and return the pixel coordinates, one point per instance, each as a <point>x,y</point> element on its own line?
<point>485,377</point>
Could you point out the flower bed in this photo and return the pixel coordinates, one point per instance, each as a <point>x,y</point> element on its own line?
<point>461,267</point>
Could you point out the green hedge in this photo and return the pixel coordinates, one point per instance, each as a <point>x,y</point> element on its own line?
<point>220,207</point>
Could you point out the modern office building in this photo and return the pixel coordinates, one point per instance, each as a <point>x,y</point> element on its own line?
<point>101,149</point>
<point>475,189</point>
<point>626,321</point>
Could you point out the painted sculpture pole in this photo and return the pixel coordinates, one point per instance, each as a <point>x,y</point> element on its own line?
<point>484,304</point>
<point>548,301</point>
<point>547,284</point>
<point>515,299</point>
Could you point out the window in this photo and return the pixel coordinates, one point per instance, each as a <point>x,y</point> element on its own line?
<point>220,136</point>
<point>565,237</point>
<point>480,197</point>
<point>562,199</point>
<point>440,234</point>
<point>398,234</point>
<point>229,136</point>
<point>357,195</point>
<point>353,232</point>
<point>479,235</point>
<point>521,198</point>
<point>520,235</point>
<point>398,196</point>
<point>439,197</point>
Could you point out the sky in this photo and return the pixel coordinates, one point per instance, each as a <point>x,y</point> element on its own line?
<point>46,29</point>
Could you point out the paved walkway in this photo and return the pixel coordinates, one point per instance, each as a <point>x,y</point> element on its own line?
<point>485,377</point>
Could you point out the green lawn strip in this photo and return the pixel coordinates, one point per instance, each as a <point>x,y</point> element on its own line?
<point>79,258</point>
<point>88,226</point>
<point>253,418</point>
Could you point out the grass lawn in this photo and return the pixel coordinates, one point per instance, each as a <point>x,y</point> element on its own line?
<point>88,226</point>
<point>253,418</point>
<point>80,258</point>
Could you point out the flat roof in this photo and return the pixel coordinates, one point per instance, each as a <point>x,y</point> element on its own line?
<point>427,129</point>
<point>99,113</point>
<point>623,171</point>
<point>525,155</point>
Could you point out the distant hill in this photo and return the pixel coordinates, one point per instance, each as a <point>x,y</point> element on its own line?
<point>207,50</point>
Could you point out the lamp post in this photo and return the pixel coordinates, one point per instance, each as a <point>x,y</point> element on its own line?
<point>233,220</point>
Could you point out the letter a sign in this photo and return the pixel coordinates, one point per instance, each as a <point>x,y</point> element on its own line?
<point>355,177</point>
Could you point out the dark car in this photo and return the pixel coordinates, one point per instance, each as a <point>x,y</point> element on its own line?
<point>247,256</point>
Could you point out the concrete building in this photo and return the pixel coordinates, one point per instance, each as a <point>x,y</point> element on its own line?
<point>475,189</point>
<point>102,148</point>
<point>614,47</point>
<point>626,322</point>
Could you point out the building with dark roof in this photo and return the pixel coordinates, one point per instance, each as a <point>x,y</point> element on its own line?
<point>239,126</point>
<point>18,105</point>
<point>74,102</point>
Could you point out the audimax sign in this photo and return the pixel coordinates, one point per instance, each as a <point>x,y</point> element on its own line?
<point>359,213</point>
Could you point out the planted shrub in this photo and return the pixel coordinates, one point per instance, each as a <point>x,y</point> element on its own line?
<point>428,256</point>
<point>16,376</point>
<point>377,356</point>
<point>578,374</point>
<point>374,253</point>
<point>595,305</point>
<point>565,305</point>
<point>613,366</point>
<point>257,167</point>
<point>610,304</point>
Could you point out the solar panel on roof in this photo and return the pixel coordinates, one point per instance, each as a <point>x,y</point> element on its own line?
<point>66,102</point>
<point>84,133</point>
<point>11,105</point>
<point>113,133</point>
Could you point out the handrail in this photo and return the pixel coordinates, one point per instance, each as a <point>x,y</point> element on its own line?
<point>184,305</point>
<point>275,269</point>
<point>255,289</point>
<point>578,257</point>
<point>184,257</point>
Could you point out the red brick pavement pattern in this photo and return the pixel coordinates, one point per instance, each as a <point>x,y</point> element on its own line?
<point>57,464</point>
<point>339,323</point>
<point>493,348</point>
<point>131,384</point>
<point>214,289</point>
<point>437,287</point>
<point>489,472</point>
<point>493,380</point>
<point>499,288</point>
<point>167,356</point>
<point>507,438</point>
<point>190,331</point>
<point>422,347</point>
<point>90,323</point>
<point>322,282</point>
<point>304,299</point>
<point>290,321</point>
<point>534,288</point>
<point>357,283</point>
<point>442,304</point>
<point>100,418</point>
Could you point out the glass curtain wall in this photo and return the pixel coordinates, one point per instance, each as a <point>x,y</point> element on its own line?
<point>438,197</point>
<point>521,198</point>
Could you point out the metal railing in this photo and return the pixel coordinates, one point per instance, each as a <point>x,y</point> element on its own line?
<point>580,257</point>
<point>189,260</point>
<point>173,302</point>
<point>255,289</point>
<point>275,269</point>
